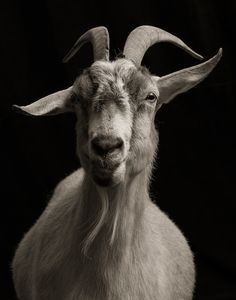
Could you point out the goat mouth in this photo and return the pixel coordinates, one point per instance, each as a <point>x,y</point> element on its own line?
<point>105,171</point>
<point>105,165</point>
<point>107,174</point>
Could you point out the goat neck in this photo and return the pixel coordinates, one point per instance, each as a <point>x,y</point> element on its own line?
<point>114,220</point>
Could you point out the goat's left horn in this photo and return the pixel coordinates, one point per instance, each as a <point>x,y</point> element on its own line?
<point>143,37</point>
<point>99,38</point>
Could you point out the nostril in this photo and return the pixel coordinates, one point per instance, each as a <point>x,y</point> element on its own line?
<point>105,145</point>
<point>97,147</point>
<point>118,144</point>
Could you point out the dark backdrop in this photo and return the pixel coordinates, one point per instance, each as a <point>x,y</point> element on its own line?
<point>194,179</point>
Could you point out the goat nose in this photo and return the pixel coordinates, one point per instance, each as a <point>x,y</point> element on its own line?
<point>106,145</point>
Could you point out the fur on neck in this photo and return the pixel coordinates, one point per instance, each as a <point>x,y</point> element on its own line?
<point>117,212</point>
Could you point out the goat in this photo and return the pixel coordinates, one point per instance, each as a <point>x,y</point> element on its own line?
<point>100,236</point>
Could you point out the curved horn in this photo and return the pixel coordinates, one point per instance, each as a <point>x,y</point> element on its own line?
<point>143,37</point>
<point>99,38</point>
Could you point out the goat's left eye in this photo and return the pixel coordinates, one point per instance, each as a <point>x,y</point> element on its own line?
<point>151,97</point>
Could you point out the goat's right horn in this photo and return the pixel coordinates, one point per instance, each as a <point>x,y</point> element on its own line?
<point>99,38</point>
<point>143,37</point>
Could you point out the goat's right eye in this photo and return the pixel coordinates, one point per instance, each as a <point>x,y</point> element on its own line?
<point>151,97</point>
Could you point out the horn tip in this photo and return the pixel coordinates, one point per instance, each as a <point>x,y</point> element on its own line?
<point>198,56</point>
<point>219,54</point>
<point>15,107</point>
<point>66,58</point>
<point>21,110</point>
<point>201,57</point>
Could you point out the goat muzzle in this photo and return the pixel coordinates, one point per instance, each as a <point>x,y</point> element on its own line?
<point>106,146</point>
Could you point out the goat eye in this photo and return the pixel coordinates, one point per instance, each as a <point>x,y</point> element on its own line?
<point>151,97</point>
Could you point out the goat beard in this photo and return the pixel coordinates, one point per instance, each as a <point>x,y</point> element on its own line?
<point>111,206</point>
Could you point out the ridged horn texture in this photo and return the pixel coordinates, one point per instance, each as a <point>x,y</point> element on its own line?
<point>99,38</point>
<point>143,37</point>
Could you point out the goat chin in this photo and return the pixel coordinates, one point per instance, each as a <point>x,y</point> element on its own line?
<point>109,178</point>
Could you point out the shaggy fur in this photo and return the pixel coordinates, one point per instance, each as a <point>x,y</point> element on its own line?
<point>101,237</point>
<point>148,258</point>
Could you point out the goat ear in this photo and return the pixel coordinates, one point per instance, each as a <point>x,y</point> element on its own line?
<point>53,104</point>
<point>181,81</point>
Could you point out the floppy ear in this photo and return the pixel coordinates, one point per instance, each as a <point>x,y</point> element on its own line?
<point>53,104</point>
<point>181,81</point>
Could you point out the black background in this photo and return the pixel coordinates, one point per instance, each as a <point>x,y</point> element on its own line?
<point>194,180</point>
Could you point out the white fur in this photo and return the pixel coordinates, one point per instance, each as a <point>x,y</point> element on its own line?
<point>148,257</point>
<point>112,243</point>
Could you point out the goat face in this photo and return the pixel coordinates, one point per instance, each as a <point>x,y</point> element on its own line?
<point>115,105</point>
<point>116,101</point>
